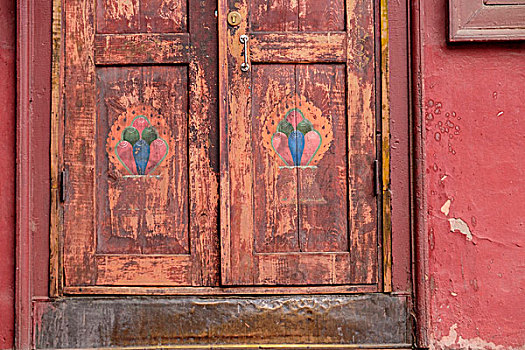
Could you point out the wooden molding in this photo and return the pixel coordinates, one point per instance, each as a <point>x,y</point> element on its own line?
<point>24,166</point>
<point>486,20</point>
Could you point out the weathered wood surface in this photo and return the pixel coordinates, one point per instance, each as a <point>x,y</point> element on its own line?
<point>79,148</point>
<point>221,291</point>
<point>56,152</point>
<point>141,16</point>
<point>284,220</point>
<point>298,47</point>
<point>289,222</point>
<point>361,102</point>
<point>143,215</point>
<point>122,227</point>
<point>90,323</point>
<point>301,15</point>
<point>386,213</point>
<point>141,48</point>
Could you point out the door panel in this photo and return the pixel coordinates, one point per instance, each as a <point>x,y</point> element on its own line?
<point>298,136</point>
<point>141,16</point>
<point>298,15</point>
<point>147,214</point>
<point>140,117</point>
<point>289,218</point>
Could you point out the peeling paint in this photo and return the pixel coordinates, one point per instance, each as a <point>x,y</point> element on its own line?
<point>455,341</point>
<point>445,209</point>
<point>461,226</point>
<point>122,9</point>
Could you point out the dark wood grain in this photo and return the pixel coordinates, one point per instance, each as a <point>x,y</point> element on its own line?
<point>216,322</point>
<point>274,15</point>
<point>320,16</point>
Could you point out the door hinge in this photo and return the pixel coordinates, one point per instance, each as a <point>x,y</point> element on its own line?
<point>377,178</point>
<point>63,185</point>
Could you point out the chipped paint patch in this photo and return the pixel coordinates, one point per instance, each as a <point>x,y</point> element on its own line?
<point>445,209</point>
<point>121,9</point>
<point>455,341</point>
<point>461,226</point>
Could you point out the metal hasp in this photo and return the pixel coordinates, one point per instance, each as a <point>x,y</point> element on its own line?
<point>244,40</point>
<point>234,18</point>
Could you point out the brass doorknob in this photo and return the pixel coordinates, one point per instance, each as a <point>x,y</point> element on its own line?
<point>234,18</point>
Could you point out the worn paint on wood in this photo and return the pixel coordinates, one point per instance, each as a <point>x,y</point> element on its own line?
<point>56,152</point>
<point>123,222</point>
<point>386,213</point>
<point>292,225</point>
<point>133,214</point>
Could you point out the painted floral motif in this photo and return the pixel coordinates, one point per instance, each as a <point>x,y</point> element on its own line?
<point>295,132</point>
<point>296,141</point>
<point>140,149</point>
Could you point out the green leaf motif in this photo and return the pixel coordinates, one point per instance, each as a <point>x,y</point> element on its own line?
<point>285,127</point>
<point>150,134</point>
<point>131,135</point>
<point>305,126</point>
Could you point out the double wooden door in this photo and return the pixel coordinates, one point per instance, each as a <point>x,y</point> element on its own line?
<point>227,144</point>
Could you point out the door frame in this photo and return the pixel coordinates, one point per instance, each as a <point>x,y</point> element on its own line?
<point>35,224</point>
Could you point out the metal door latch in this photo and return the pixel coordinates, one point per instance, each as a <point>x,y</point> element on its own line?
<point>244,40</point>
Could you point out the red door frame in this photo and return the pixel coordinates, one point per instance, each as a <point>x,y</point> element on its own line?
<point>33,184</point>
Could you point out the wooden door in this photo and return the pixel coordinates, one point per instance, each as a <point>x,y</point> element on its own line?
<point>298,143</point>
<point>142,135</point>
<point>140,147</point>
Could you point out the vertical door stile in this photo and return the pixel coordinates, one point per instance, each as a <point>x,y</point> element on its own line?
<point>80,157</point>
<point>361,143</point>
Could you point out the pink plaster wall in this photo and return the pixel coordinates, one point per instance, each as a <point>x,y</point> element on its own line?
<point>7,159</point>
<point>473,99</point>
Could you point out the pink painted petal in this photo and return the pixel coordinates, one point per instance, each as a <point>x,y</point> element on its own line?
<point>125,153</point>
<point>294,117</point>
<point>140,124</point>
<point>157,151</point>
<point>312,140</point>
<point>280,144</point>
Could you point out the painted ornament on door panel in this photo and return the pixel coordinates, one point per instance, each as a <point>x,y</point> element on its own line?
<point>297,135</point>
<point>302,135</point>
<point>137,143</point>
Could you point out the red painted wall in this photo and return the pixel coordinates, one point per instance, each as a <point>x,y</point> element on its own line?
<point>7,159</point>
<point>473,104</point>
<point>473,98</point>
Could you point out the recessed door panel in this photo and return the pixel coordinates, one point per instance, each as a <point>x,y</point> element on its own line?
<point>148,208</point>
